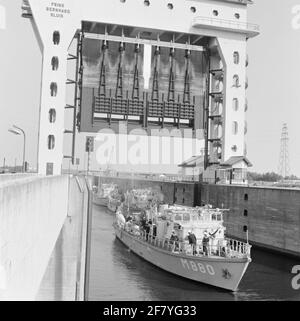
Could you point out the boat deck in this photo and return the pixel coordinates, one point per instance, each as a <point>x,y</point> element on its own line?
<point>233,249</point>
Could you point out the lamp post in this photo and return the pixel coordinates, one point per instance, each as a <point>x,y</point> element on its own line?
<point>17,131</point>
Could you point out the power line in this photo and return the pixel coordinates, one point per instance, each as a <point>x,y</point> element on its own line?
<point>284,166</point>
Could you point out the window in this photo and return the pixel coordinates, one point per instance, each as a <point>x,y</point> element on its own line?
<point>178,217</point>
<point>246,197</point>
<point>235,104</point>
<point>183,201</point>
<point>49,169</point>
<point>237,15</point>
<point>53,89</point>
<point>215,13</point>
<point>236,81</point>
<point>245,228</point>
<point>246,105</point>
<point>235,128</point>
<point>245,212</point>
<point>246,83</point>
<point>219,107</point>
<point>170,6</point>
<point>234,148</point>
<point>193,9</point>
<point>51,142</point>
<point>54,63</point>
<point>246,128</point>
<point>56,37</point>
<point>147,3</point>
<point>186,217</point>
<point>52,115</point>
<point>236,57</point>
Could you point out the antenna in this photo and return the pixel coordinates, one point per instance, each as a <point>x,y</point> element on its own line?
<point>284,166</point>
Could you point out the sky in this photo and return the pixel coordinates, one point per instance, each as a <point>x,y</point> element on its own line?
<point>274,87</point>
<point>273,93</point>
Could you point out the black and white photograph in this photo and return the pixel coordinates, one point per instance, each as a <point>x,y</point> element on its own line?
<point>149,154</point>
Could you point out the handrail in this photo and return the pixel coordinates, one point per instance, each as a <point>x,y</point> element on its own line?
<point>230,23</point>
<point>150,177</point>
<point>79,184</point>
<point>231,249</point>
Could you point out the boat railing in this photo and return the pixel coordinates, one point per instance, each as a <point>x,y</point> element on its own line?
<point>229,248</point>
<point>237,247</point>
<point>185,215</point>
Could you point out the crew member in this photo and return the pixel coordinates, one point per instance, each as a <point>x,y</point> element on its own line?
<point>147,229</point>
<point>143,223</point>
<point>154,230</point>
<point>174,239</point>
<point>192,241</point>
<point>128,224</point>
<point>205,243</point>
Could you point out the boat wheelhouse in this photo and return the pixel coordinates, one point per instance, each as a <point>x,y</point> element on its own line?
<point>222,265</point>
<point>102,195</point>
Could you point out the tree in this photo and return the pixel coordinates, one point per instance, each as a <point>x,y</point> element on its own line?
<point>266,177</point>
<point>269,177</point>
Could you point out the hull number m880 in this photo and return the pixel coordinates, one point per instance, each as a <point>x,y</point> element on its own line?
<point>197,266</point>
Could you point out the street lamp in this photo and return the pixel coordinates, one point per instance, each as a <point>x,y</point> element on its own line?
<point>17,131</point>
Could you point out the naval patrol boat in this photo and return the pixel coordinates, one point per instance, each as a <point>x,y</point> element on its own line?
<point>101,197</point>
<point>114,200</point>
<point>164,242</point>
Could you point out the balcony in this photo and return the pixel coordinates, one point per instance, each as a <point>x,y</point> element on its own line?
<point>238,1</point>
<point>250,29</point>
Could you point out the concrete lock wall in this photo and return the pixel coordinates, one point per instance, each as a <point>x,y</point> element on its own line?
<point>272,215</point>
<point>32,213</point>
<point>64,278</point>
<point>179,193</point>
<point>14,177</point>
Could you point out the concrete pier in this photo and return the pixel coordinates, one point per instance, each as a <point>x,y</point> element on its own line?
<point>64,279</point>
<point>33,211</point>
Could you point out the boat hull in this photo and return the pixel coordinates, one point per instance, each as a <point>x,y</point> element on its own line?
<point>100,201</point>
<point>113,205</point>
<point>216,271</point>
